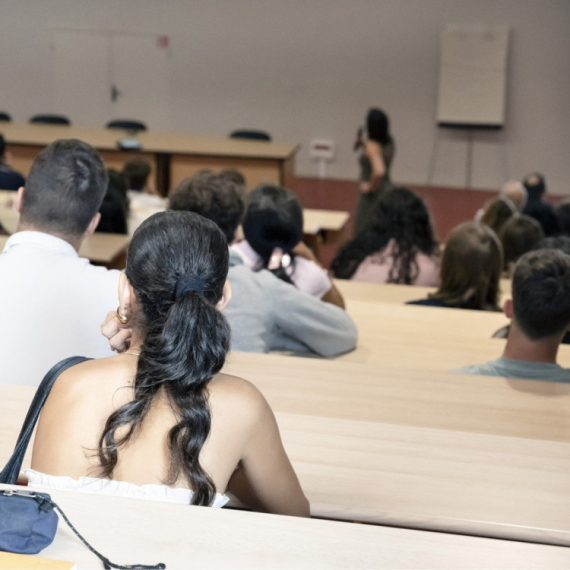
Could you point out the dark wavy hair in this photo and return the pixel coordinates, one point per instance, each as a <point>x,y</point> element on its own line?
<point>177,264</point>
<point>400,215</point>
<point>273,218</point>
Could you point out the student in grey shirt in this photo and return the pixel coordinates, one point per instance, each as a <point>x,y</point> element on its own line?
<point>540,315</point>
<point>265,312</point>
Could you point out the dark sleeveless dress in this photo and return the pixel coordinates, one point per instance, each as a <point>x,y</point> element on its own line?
<point>367,200</point>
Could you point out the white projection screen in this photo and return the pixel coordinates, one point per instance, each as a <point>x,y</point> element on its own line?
<point>473,77</point>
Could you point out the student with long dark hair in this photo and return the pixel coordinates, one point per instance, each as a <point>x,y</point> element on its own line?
<point>273,230</point>
<point>471,269</point>
<point>397,246</point>
<point>376,156</point>
<point>159,421</point>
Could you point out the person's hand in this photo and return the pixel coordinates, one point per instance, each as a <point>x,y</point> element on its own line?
<point>119,335</point>
<point>365,187</point>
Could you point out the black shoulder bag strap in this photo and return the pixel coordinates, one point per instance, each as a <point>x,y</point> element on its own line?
<point>9,474</point>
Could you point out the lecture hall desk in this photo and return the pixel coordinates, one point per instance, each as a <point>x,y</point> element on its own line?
<point>410,449</point>
<point>174,156</point>
<point>193,537</point>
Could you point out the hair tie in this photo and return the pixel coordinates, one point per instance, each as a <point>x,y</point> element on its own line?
<point>192,284</point>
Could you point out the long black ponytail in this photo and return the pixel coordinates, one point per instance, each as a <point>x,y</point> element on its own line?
<point>177,264</point>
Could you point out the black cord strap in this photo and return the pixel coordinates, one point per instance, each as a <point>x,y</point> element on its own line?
<point>106,562</point>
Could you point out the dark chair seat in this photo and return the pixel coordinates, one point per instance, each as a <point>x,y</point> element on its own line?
<point>126,125</point>
<point>5,117</point>
<point>50,120</point>
<point>251,135</point>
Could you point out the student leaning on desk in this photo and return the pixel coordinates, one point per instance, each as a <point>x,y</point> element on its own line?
<point>158,421</point>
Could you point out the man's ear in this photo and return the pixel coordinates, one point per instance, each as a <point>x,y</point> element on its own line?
<point>93,224</point>
<point>226,296</point>
<point>508,308</point>
<point>19,199</point>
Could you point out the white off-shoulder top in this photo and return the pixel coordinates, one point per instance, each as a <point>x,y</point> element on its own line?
<point>118,488</point>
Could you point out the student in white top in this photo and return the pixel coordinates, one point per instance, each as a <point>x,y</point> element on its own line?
<point>53,301</point>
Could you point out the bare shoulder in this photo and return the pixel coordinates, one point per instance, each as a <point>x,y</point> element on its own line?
<point>238,397</point>
<point>90,379</point>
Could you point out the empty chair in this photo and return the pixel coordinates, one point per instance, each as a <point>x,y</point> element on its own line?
<point>251,135</point>
<point>126,125</point>
<point>50,120</point>
<point>5,117</point>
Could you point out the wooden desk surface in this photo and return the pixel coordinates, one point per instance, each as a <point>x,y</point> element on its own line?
<point>101,248</point>
<point>192,537</point>
<point>391,293</point>
<point>152,141</point>
<point>424,451</point>
<point>327,220</point>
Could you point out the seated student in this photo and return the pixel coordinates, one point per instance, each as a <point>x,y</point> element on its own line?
<point>540,315</point>
<point>563,213</point>
<point>265,313</point>
<point>519,235</point>
<point>115,206</point>
<point>498,213</point>
<point>396,247</point>
<point>536,207</point>
<point>159,421</point>
<point>136,171</point>
<point>9,178</point>
<point>273,230</point>
<point>54,300</point>
<point>560,243</point>
<point>470,270</point>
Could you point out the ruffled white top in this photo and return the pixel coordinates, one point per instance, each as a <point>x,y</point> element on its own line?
<point>117,488</point>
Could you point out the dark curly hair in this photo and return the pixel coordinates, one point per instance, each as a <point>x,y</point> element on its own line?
<point>177,264</point>
<point>213,196</point>
<point>400,215</point>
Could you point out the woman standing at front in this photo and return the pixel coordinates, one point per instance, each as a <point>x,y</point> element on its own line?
<point>376,155</point>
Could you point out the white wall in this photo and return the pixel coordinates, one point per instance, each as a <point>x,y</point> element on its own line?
<point>310,68</point>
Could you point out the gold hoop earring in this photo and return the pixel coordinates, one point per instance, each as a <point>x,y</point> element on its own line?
<point>123,319</point>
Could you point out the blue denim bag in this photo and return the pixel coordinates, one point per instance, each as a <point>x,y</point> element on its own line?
<point>28,520</point>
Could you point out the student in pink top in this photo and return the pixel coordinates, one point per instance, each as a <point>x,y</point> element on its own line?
<point>396,247</point>
<point>273,230</point>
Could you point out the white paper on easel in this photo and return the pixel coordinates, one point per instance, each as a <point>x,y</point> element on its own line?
<point>473,76</point>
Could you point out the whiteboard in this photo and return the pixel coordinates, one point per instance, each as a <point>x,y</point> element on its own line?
<point>473,77</point>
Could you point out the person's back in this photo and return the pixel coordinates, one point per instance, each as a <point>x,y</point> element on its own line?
<point>535,207</point>
<point>159,421</point>
<point>397,246</point>
<point>265,313</point>
<point>54,301</point>
<point>540,316</point>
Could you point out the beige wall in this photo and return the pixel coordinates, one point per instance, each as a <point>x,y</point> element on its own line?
<point>310,68</point>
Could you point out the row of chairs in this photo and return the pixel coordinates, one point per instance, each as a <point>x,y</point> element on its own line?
<point>132,125</point>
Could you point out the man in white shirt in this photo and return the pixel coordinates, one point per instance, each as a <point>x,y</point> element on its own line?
<point>53,301</point>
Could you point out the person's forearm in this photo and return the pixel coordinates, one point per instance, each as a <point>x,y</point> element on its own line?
<point>334,296</point>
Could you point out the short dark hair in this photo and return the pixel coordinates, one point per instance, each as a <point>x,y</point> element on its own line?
<point>65,188</point>
<point>213,197</point>
<point>519,235</point>
<point>541,293</point>
<point>2,146</point>
<point>561,243</point>
<point>136,172</point>
<point>238,179</point>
